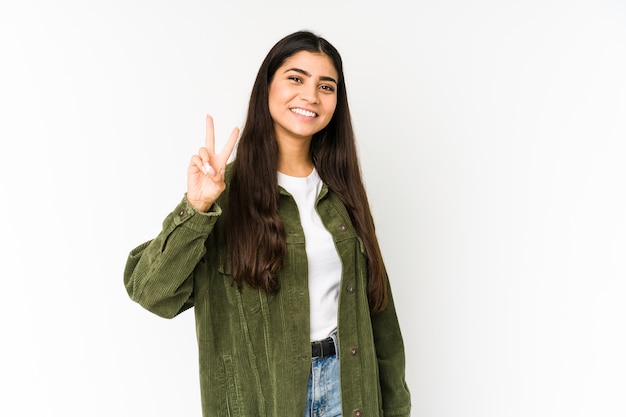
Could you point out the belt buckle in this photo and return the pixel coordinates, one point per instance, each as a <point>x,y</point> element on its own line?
<point>323,351</point>
<point>320,354</point>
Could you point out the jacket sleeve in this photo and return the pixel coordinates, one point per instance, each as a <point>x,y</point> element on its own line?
<point>159,273</point>
<point>391,362</point>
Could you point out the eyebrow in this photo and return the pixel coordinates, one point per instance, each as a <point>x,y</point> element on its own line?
<point>303,72</point>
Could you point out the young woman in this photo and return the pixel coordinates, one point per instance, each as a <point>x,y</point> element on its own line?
<point>277,254</point>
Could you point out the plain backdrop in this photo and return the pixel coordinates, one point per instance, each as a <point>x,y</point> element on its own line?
<point>492,137</point>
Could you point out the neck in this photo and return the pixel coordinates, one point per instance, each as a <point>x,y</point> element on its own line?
<point>294,159</point>
<point>295,168</point>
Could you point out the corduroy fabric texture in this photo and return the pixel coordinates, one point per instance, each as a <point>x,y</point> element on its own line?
<point>254,348</point>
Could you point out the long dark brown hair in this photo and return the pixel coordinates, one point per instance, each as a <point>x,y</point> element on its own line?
<point>254,232</point>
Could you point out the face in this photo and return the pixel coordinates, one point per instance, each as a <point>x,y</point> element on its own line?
<point>303,95</point>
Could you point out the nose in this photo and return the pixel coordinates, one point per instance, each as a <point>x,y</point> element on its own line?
<point>310,94</point>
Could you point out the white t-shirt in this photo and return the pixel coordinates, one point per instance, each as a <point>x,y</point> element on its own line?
<point>323,260</point>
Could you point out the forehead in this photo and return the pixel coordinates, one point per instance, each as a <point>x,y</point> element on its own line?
<point>316,63</point>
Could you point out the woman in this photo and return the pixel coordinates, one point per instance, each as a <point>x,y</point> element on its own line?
<point>277,254</point>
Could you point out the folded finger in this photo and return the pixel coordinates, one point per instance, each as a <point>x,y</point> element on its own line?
<point>204,154</point>
<point>197,162</point>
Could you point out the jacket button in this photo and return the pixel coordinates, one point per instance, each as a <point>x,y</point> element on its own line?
<point>342,228</point>
<point>181,213</point>
<point>358,413</point>
<point>353,351</point>
<point>350,289</point>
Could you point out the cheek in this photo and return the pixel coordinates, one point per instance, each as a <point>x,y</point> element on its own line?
<point>273,102</point>
<point>278,97</point>
<point>331,107</point>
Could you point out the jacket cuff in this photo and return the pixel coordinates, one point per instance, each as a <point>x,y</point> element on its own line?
<point>186,215</point>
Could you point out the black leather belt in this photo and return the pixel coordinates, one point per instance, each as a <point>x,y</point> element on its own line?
<point>323,348</point>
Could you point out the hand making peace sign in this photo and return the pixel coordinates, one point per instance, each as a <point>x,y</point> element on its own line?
<point>205,175</point>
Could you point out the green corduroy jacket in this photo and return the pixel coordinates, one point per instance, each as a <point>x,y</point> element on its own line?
<point>254,348</point>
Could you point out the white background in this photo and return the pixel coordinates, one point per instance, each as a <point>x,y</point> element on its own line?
<point>492,137</point>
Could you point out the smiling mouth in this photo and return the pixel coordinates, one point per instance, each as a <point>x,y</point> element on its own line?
<point>303,112</point>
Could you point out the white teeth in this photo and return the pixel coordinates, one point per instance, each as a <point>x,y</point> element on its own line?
<point>304,112</point>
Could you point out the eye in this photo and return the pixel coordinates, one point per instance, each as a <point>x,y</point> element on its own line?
<point>328,88</point>
<point>295,78</point>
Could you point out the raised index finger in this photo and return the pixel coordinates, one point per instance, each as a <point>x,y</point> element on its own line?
<point>210,134</point>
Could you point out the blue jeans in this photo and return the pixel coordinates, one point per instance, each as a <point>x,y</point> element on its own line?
<point>323,397</point>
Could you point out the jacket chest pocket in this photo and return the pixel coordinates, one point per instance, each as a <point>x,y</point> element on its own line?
<point>249,300</point>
